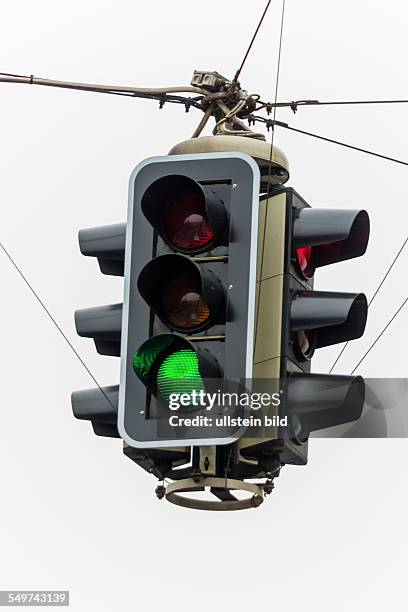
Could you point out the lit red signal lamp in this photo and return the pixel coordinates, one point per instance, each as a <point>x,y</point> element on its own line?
<point>304,257</point>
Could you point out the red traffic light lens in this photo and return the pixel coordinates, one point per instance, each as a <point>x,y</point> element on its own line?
<point>304,257</point>
<point>182,302</point>
<point>186,223</point>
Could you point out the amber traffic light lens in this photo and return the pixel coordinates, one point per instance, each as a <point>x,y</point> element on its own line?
<point>304,257</point>
<point>186,223</point>
<point>183,304</point>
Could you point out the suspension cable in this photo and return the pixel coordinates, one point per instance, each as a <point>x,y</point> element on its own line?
<point>373,297</point>
<point>238,72</point>
<point>272,123</point>
<point>270,164</point>
<point>55,323</point>
<point>379,335</point>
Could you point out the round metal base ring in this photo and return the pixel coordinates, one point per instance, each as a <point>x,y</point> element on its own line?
<point>188,485</point>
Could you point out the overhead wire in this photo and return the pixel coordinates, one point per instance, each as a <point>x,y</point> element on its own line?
<point>294,104</point>
<point>270,165</point>
<point>343,144</point>
<point>272,123</point>
<point>238,72</point>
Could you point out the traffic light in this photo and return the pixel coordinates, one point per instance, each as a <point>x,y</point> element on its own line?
<point>293,320</point>
<point>189,292</point>
<point>219,262</point>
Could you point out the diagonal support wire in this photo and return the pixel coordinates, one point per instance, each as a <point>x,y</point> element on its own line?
<point>55,323</point>
<point>373,298</point>
<point>238,72</point>
<point>380,335</point>
<point>271,123</point>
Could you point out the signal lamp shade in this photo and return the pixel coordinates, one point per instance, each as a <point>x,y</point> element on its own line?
<point>330,317</point>
<point>323,236</point>
<point>100,406</point>
<point>190,217</point>
<point>183,295</point>
<point>320,401</point>
<point>169,364</point>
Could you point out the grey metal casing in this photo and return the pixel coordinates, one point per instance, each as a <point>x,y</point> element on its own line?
<point>243,175</point>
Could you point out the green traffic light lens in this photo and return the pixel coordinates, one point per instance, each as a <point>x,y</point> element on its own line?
<point>167,364</point>
<point>179,373</point>
<point>144,358</point>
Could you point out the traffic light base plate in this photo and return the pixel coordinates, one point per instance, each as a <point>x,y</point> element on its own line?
<point>220,487</point>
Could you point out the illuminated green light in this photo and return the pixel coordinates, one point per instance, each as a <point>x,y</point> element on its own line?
<point>145,357</point>
<point>167,364</point>
<point>179,373</point>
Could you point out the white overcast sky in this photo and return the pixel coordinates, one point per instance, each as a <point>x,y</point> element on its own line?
<point>75,513</point>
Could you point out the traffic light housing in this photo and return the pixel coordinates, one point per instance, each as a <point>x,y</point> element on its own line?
<point>188,314</point>
<point>293,320</point>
